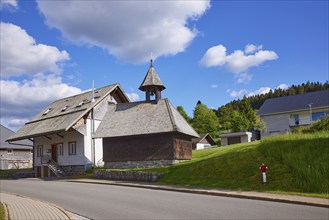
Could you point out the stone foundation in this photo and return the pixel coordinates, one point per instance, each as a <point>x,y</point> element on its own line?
<point>140,164</point>
<point>73,170</point>
<point>127,175</point>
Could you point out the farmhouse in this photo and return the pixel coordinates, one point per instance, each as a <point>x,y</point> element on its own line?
<point>62,132</point>
<point>151,133</point>
<point>14,156</point>
<point>284,113</point>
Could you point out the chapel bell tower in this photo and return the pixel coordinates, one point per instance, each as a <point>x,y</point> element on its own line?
<point>152,84</point>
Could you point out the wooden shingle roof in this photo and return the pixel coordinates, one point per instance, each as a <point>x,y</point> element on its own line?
<point>318,99</point>
<point>151,79</point>
<point>142,118</point>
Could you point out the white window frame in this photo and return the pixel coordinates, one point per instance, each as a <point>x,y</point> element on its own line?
<point>72,148</point>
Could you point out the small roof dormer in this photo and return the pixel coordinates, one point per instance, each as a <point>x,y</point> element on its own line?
<point>152,84</point>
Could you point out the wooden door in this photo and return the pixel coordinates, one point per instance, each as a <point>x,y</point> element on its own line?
<point>233,140</point>
<point>54,155</point>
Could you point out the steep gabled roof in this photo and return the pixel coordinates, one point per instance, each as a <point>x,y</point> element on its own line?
<point>142,118</point>
<point>204,136</point>
<point>152,79</point>
<point>62,114</point>
<point>298,102</point>
<point>5,133</point>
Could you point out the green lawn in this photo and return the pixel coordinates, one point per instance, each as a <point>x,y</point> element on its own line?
<point>12,171</point>
<point>2,211</point>
<point>297,164</point>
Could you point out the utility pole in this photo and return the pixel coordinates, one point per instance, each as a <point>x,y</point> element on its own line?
<point>310,105</point>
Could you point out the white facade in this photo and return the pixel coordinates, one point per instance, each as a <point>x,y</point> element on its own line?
<point>282,123</point>
<point>239,137</point>
<point>201,146</point>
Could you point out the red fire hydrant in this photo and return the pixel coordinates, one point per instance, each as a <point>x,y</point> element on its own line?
<point>263,169</point>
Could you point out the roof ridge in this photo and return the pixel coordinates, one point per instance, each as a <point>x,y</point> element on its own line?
<point>94,104</point>
<point>171,116</point>
<point>90,90</point>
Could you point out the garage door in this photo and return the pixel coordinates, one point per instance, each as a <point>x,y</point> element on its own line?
<point>233,140</point>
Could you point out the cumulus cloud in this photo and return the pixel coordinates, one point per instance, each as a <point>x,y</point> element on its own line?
<point>238,62</point>
<point>129,30</point>
<point>8,4</point>
<point>20,101</point>
<point>21,55</point>
<point>39,66</point>
<point>133,97</point>
<point>214,86</point>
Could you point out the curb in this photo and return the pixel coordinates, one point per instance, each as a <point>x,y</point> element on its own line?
<point>205,192</point>
<point>48,203</point>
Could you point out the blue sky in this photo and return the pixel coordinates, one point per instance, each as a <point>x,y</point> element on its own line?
<point>213,51</point>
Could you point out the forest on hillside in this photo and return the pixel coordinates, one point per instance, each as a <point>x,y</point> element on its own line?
<point>256,101</point>
<point>240,115</point>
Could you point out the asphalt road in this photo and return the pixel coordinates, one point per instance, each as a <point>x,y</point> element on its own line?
<point>117,202</point>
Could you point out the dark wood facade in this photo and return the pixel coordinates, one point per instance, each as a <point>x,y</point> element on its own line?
<point>164,146</point>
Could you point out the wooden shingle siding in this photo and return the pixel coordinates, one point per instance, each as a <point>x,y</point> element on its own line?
<point>182,149</point>
<point>154,147</point>
<point>164,146</point>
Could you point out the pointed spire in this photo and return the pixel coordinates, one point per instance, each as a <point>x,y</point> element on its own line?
<point>152,83</point>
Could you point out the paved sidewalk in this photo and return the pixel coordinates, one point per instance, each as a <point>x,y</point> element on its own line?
<point>294,199</point>
<point>21,208</point>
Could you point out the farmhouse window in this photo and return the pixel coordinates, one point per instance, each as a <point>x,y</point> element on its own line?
<point>60,149</point>
<point>39,151</point>
<point>9,151</point>
<point>72,148</point>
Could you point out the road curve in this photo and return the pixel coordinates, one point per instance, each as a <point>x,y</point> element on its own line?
<point>117,202</point>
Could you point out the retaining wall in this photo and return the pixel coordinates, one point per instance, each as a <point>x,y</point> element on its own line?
<point>127,175</point>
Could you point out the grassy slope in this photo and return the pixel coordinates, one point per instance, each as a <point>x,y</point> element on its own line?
<point>296,163</point>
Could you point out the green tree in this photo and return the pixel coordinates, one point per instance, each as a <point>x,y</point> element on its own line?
<point>248,113</point>
<point>205,120</point>
<point>181,110</point>
<point>224,115</point>
<point>238,122</point>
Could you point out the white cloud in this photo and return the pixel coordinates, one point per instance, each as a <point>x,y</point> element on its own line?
<point>8,4</point>
<point>21,55</point>
<point>250,48</point>
<point>129,30</point>
<point>133,97</point>
<point>243,77</point>
<point>234,93</point>
<point>20,101</point>
<point>260,91</point>
<point>214,86</point>
<point>238,62</point>
<point>215,56</point>
<point>283,86</point>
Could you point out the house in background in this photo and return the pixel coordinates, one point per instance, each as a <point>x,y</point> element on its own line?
<point>203,142</point>
<point>235,138</point>
<point>284,113</point>
<point>14,156</point>
<point>62,133</point>
<point>150,133</point>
